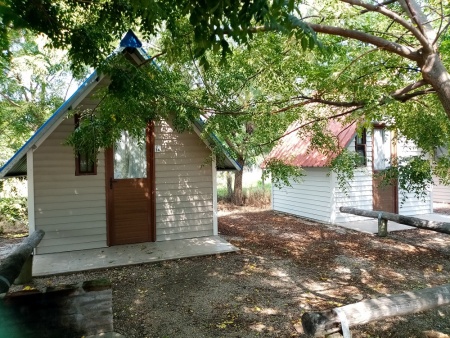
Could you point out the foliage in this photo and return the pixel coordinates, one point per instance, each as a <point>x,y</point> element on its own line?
<point>377,62</point>
<point>91,28</point>
<point>413,174</point>
<point>231,99</point>
<point>282,173</point>
<point>149,92</point>
<point>441,169</point>
<point>32,86</point>
<point>13,209</point>
<point>344,166</point>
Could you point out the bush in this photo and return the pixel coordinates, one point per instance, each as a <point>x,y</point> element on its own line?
<point>13,209</point>
<point>222,194</point>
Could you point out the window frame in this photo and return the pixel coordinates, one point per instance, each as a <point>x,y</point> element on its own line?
<point>362,145</point>
<point>78,170</point>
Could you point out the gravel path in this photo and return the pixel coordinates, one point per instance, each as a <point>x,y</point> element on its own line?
<point>286,266</point>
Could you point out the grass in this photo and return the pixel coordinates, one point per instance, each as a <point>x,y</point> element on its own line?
<point>256,195</point>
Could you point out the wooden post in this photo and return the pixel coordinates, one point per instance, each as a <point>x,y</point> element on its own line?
<point>382,225</point>
<point>323,323</point>
<point>442,227</point>
<point>11,266</point>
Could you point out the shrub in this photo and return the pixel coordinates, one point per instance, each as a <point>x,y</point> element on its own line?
<point>13,209</point>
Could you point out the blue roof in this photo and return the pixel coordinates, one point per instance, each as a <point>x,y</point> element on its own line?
<point>130,40</point>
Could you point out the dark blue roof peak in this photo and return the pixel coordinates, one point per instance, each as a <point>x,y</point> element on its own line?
<point>130,40</point>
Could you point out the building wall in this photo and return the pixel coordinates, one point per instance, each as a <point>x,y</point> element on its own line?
<point>310,198</point>
<point>320,197</point>
<point>184,185</point>
<point>70,209</point>
<point>412,205</point>
<point>359,190</point>
<point>441,193</point>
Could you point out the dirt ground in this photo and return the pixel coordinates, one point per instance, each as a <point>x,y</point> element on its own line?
<point>285,267</point>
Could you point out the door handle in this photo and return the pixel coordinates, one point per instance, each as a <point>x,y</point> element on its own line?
<point>111,181</point>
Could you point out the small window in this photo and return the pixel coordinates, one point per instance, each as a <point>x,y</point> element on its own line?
<point>360,148</point>
<point>84,164</point>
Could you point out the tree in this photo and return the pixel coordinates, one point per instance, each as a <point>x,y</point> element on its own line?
<point>413,30</point>
<point>33,84</point>
<point>397,49</point>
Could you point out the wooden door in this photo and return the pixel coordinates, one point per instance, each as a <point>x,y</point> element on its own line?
<point>385,197</point>
<point>130,190</point>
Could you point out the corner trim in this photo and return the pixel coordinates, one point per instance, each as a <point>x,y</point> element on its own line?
<point>30,167</point>
<point>214,177</point>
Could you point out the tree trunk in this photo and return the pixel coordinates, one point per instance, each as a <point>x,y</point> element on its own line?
<point>229,185</point>
<point>238,175</point>
<point>435,73</point>
<point>11,266</point>
<point>327,322</point>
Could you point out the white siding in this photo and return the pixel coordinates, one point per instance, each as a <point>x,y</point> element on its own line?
<point>310,198</point>
<point>441,193</point>
<point>359,193</point>
<point>184,185</point>
<point>412,205</point>
<point>70,209</point>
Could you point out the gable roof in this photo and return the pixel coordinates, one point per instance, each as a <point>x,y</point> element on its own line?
<point>295,150</point>
<point>17,164</point>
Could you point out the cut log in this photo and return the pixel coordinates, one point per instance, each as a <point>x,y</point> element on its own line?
<point>322,323</point>
<point>77,310</point>
<point>442,227</point>
<point>11,266</point>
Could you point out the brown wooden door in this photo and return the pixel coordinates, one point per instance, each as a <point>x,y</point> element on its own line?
<point>129,186</point>
<point>385,197</point>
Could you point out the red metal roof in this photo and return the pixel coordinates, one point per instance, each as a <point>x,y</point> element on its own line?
<point>295,150</point>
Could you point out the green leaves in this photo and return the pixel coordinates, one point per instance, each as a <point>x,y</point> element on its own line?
<point>282,174</point>
<point>413,174</point>
<point>344,166</point>
<point>32,86</point>
<point>135,96</point>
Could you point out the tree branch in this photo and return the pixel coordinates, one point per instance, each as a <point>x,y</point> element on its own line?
<point>407,97</point>
<point>393,47</point>
<point>415,13</point>
<point>380,5</point>
<point>7,98</point>
<point>311,122</point>
<point>354,60</point>
<point>397,18</point>
<point>407,89</point>
<point>440,32</point>
<point>152,58</point>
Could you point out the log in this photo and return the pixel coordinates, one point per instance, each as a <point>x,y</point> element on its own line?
<point>77,310</point>
<point>442,227</point>
<point>323,323</point>
<point>11,266</point>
